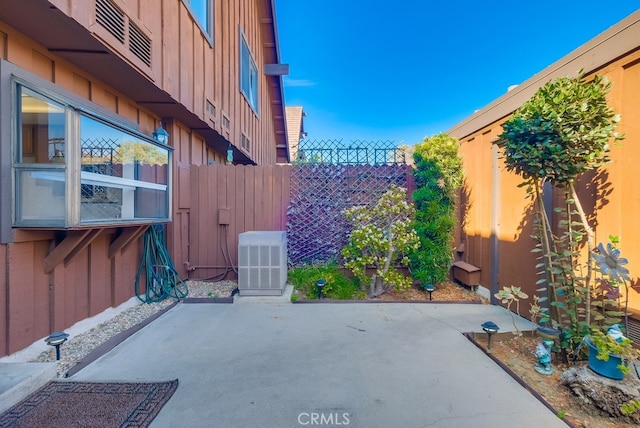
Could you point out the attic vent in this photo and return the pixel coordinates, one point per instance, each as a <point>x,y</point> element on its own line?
<point>120,26</point>
<point>111,18</point>
<point>139,44</point>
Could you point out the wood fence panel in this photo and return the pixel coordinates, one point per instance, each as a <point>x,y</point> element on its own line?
<point>196,175</point>
<point>266,201</point>
<point>249,193</point>
<point>285,196</point>
<point>234,201</point>
<point>198,212</point>
<point>256,198</point>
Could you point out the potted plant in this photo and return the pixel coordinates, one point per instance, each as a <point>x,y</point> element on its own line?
<point>610,353</point>
<point>610,356</point>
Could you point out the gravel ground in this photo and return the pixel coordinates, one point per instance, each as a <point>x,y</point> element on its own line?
<point>80,345</point>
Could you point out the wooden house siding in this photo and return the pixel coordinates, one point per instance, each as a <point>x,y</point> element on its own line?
<point>497,219</point>
<point>191,87</point>
<point>192,71</point>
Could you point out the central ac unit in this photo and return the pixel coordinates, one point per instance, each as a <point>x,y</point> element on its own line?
<point>262,263</point>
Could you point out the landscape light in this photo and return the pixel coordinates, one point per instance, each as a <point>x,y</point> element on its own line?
<point>56,339</point>
<point>490,328</point>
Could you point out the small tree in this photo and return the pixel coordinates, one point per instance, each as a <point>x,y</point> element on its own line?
<point>381,237</point>
<point>563,131</point>
<point>438,176</point>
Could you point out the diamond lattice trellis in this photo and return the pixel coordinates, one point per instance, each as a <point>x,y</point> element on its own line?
<point>329,179</point>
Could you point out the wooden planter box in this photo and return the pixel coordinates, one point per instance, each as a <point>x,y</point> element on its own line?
<point>466,273</point>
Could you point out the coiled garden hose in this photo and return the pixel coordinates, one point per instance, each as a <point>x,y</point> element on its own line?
<point>162,280</point>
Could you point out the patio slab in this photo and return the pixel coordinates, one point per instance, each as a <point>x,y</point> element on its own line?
<point>360,365</point>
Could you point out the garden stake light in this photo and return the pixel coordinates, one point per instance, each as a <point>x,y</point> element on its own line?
<point>429,288</point>
<point>56,339</point>
<point>490,328</point>
<point>319,286</point>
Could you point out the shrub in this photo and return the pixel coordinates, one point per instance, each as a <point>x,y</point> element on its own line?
<point>380,239</point>
<point>438,176</point>
<point>338,286</point>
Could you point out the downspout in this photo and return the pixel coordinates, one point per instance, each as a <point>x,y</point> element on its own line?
<point>494,242</point>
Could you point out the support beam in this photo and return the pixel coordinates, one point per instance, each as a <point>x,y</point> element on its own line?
<point>64,248</point>
<point>127,236</point>
<point>84,243</point>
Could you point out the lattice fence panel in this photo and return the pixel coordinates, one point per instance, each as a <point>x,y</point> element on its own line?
<point>357,152</point>
<point>328,181</point>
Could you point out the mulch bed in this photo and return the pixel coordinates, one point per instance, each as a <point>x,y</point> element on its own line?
<point>90,404</point>
<point>448,292</point>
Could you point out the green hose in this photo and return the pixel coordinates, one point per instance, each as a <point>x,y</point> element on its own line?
<point>162,280</point>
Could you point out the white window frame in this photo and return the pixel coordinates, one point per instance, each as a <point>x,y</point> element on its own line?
<point>249,80</point>
<point>69,171</point>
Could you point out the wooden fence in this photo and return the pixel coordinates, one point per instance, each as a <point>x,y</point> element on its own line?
<point>226,201</point>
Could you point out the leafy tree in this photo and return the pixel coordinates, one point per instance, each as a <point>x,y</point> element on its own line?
<point>438,176</point>
<point>380,239</point>
<point>564,130</point>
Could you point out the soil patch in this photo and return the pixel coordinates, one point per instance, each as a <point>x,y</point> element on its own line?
<point>446,292</point>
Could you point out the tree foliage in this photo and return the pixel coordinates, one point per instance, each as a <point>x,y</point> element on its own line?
<point>561,132</point>
<point>564,130</point>
<point>438,176</point>
<point>380,239</point>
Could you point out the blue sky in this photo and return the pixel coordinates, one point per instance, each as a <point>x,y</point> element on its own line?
<point>402,70</point>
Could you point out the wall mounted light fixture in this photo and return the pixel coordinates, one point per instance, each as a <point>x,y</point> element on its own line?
<point>161,135</point>
<point>230,154</point>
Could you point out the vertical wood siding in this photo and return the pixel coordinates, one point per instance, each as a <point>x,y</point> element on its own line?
<point>192,71</point>
<point>38,303</point>
<point>611,196</point>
